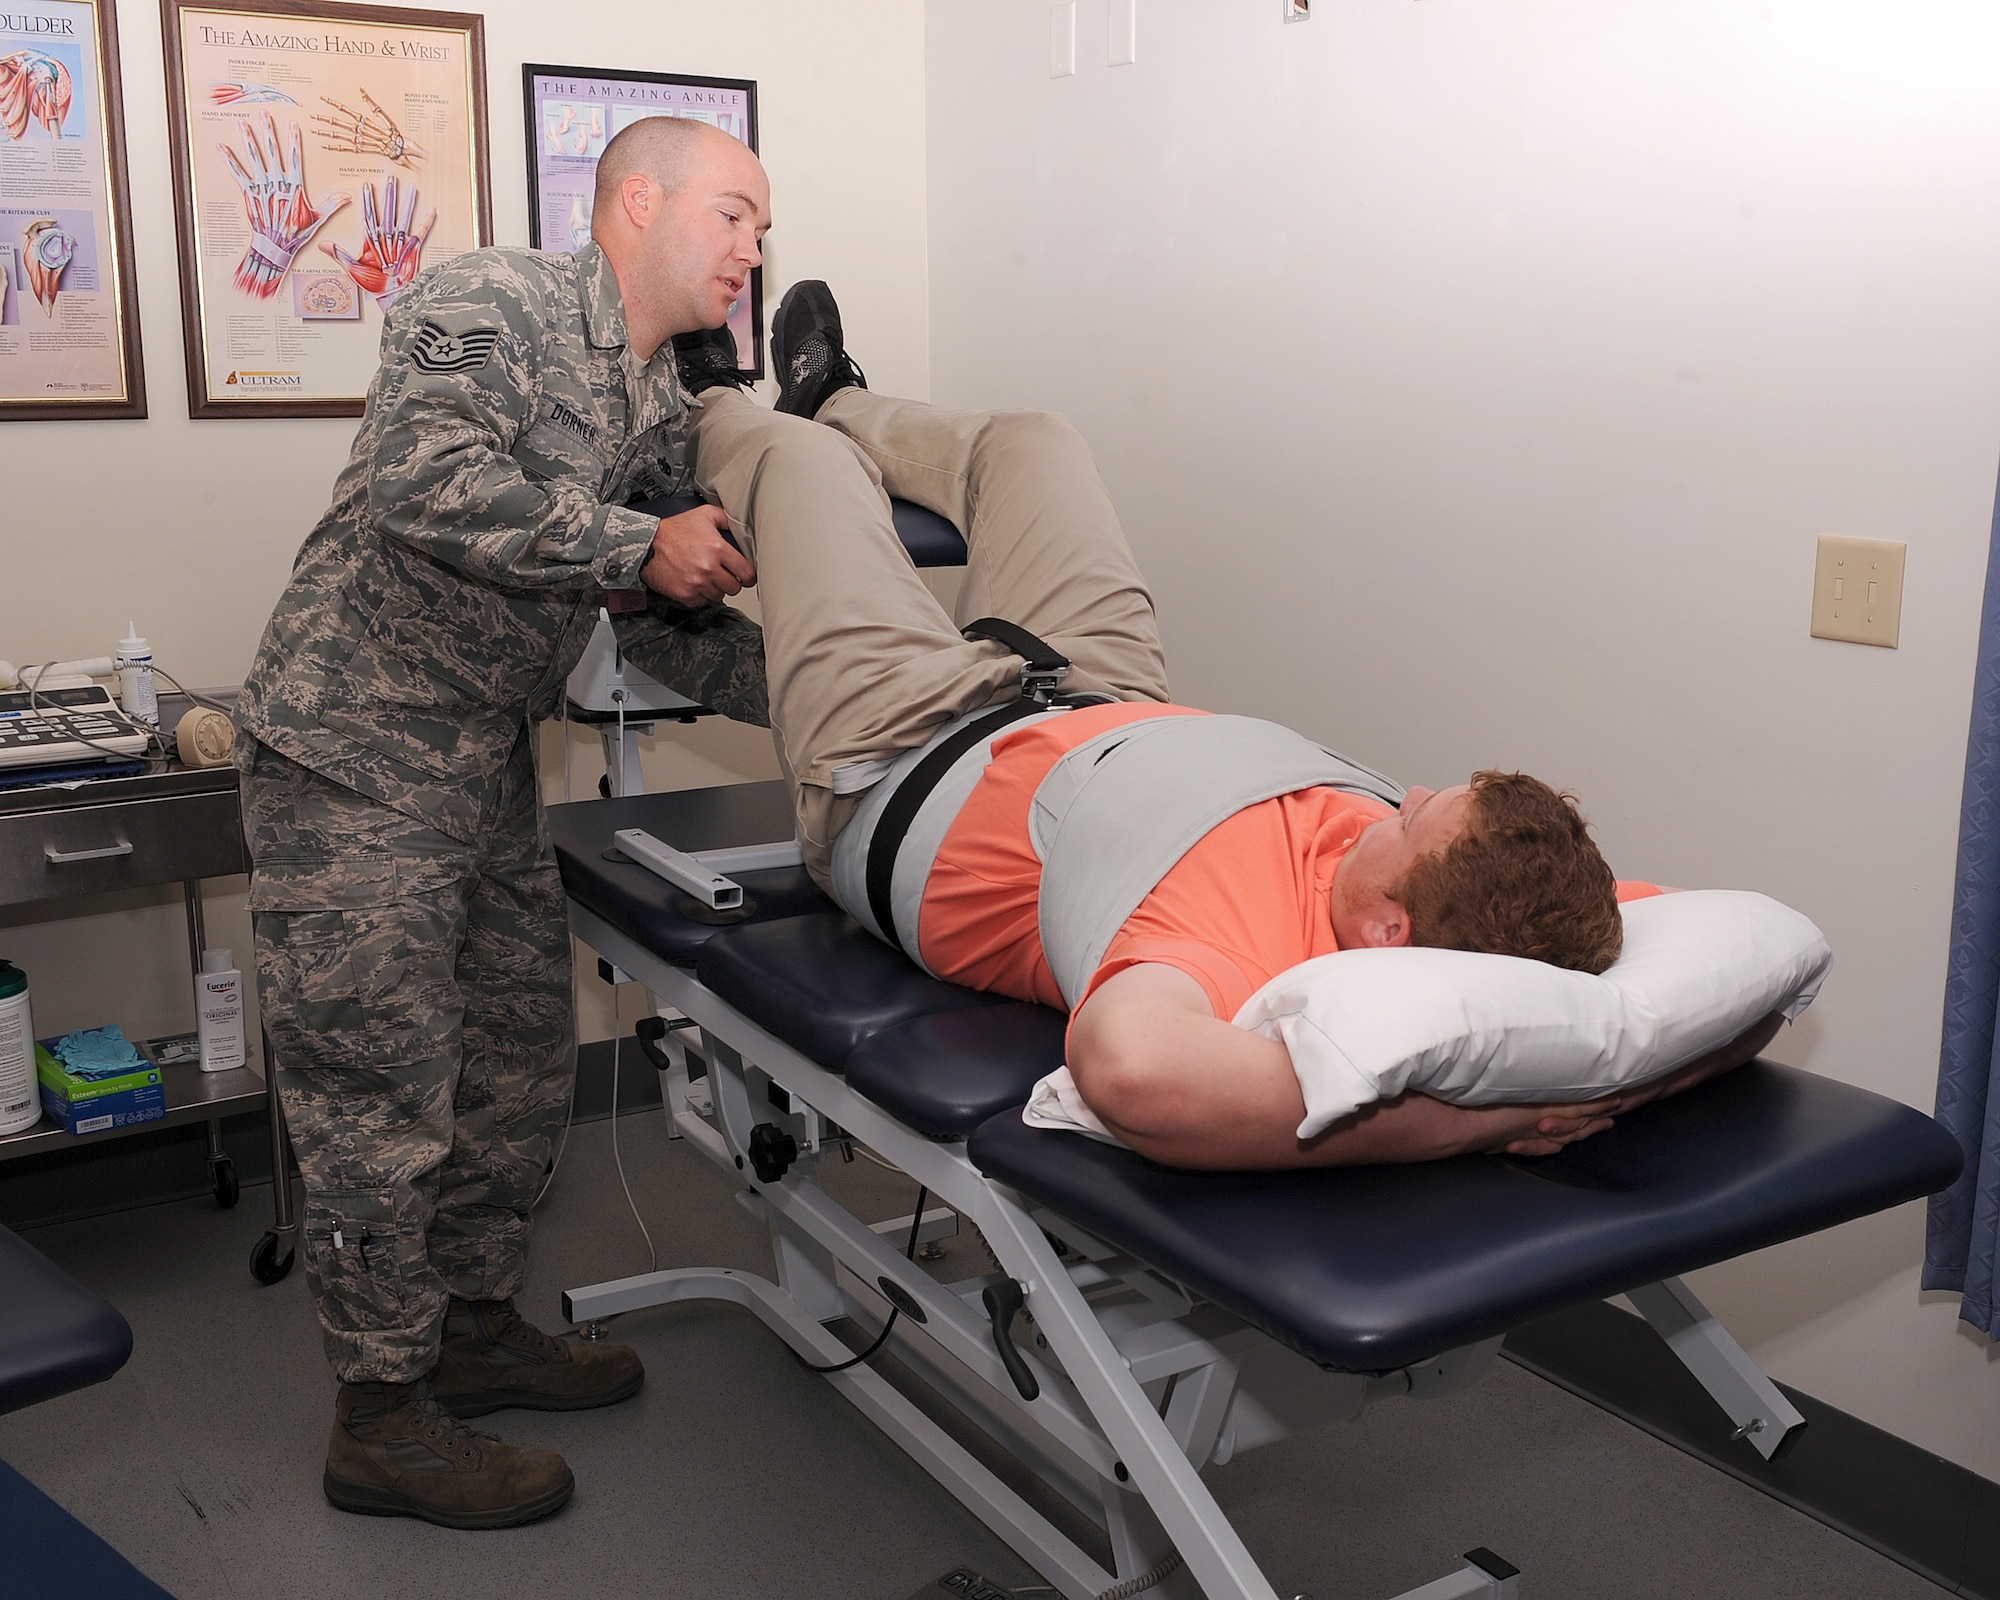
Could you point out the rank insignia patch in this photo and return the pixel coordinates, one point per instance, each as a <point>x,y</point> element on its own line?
<point>435,350</point>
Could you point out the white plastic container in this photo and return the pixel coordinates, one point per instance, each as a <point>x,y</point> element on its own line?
<point>218,1012</point>
<point>137,692</point>
<point>20,1100</point>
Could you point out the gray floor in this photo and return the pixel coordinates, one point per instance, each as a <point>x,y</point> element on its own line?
<point>736,1474</point>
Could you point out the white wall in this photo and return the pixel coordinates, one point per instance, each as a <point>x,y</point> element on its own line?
<point>190,527</point>
<point>1474,377</point>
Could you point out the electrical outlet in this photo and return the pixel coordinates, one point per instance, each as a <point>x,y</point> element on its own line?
<point>1858,590</point>
<point>1062,40</point>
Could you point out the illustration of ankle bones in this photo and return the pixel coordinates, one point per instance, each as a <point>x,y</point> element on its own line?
<point>282,216</point>
<point>391,251</point>
<point>367,133</point>
<point>36,86</point>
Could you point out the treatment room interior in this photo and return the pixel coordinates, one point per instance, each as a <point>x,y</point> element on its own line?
<point>1473,378</point>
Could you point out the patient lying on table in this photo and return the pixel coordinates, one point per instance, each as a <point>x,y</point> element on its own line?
<point>865,666</point>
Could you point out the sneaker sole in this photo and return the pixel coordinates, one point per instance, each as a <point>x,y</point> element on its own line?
<point>366,1501</point>
<point>483,1402</point>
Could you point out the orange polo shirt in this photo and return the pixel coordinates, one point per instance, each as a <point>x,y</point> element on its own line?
<point>1251,899</point>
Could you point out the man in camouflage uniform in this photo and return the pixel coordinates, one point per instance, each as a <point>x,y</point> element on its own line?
<point>413,951</point>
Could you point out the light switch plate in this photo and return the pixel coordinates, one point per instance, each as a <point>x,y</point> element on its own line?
<point>1062,40</point>
<point>1858,590</point>
<point>1123,45</point>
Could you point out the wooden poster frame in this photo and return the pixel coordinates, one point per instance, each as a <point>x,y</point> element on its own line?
<point>195,332</point>
<point>118,216</point>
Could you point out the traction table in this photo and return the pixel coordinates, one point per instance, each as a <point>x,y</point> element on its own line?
<point>1173,1319</point>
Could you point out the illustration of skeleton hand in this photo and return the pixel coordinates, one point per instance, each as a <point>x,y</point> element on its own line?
<point>50,249</point>
<point>35,86</point>
<point>391,247</point>
<point>282,216</point>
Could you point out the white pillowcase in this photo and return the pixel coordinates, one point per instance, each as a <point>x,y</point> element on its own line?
<point>1698,969</point>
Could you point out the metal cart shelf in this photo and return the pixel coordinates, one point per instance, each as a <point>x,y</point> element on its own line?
<point>177,825</point>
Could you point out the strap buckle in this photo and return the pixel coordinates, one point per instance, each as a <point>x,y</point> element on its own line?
<point>1040,683</point>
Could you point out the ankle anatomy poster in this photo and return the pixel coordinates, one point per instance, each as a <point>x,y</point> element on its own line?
<point>323,155</point>
<point>573,112</point>
<point>69,321</point>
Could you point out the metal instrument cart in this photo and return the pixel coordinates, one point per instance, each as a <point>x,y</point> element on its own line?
<point>179,825</point>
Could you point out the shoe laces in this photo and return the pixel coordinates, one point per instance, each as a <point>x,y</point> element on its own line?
<point>506,1324</point>
<point>446,1434</point>
<point>821,365</point>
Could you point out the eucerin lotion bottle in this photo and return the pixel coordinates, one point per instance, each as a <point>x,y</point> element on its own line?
<point>218,1010</point>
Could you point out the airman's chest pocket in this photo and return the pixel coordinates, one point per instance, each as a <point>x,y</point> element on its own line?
<point>565,444</point>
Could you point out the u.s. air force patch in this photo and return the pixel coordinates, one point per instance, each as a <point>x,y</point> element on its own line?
<point>437,350</point>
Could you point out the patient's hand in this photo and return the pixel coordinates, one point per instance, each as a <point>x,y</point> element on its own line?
<point>1557,1126</point>
<point>692,563</point>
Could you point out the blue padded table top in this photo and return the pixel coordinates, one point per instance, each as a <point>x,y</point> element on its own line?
<point>806,971</point>
<point>1363,1268</point>
<point>644,905</point>
<point>1371,1268</point>
<point>55,1335</point>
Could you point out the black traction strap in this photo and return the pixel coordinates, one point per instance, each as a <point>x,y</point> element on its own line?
<point>891,828</point>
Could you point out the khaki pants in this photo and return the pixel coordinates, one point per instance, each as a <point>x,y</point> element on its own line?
<point>862,661</point>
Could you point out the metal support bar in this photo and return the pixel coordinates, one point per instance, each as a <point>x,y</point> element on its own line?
<point>1721,1365</point>
<point>1006,1513</point>
<point>1493,1580</point>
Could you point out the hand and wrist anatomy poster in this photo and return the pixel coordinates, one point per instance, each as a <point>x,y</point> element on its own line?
<point>69,323</point>
<point>324,155</point>
<point>573,112</point>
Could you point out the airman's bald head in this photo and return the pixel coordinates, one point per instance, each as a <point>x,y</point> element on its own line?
<point>659,147</point>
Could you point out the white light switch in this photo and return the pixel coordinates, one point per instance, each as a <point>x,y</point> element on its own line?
<point>1858,590</point>
<point>1124,43</point>
<point>1062,40</point>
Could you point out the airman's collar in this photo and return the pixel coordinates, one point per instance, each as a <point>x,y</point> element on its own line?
<point>603,302</point>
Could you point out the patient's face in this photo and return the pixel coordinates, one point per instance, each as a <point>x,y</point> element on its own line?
<point>1428,821</point>
<point>1377,862</point>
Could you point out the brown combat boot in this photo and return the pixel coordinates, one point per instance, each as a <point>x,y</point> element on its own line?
<point>396,1453</point>
<point>492,1358</point>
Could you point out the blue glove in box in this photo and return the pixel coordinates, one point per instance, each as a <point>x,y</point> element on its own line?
<point>82,1106</point>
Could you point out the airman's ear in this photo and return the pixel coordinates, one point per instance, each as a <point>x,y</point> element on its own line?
<point>637,193</point>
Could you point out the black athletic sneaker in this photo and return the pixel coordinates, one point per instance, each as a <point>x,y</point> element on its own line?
<point>706,358</point>
<point>812,360</point>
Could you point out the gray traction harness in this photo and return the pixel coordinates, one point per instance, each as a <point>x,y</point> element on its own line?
<point>1109,821</point>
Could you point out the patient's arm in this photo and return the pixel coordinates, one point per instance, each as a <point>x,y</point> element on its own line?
<point>1190,1090</point>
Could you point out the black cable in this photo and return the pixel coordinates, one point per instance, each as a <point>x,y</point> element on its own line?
<point>882,1338</point>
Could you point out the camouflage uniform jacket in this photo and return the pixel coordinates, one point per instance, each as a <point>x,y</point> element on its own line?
<point>451,586</point>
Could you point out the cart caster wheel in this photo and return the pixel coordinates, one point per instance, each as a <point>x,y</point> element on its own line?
<point>266,1265</point>
<point>223,1173</point>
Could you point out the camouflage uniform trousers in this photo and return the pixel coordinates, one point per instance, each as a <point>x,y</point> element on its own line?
<point>416,992</point>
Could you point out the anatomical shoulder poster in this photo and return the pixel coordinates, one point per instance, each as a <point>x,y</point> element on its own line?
<point>324,155</point>
<point>69,324</point>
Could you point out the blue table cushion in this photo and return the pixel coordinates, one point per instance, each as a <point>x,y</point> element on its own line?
<point>49,1555</point>
<point>824,984</point>
<point>643,905</point>
<point>1371,1268</point>
<point>55,1335</point>
<point>946,1073</point>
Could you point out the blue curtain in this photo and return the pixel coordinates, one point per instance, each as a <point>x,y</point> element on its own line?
<point>1963,1252</point>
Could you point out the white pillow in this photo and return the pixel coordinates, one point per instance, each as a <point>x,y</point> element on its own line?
<point>1698,968</point>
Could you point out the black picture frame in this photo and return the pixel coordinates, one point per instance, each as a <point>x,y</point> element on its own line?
<point>553,176</point>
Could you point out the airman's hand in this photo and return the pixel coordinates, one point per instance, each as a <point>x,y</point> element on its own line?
<point>692,563</point>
